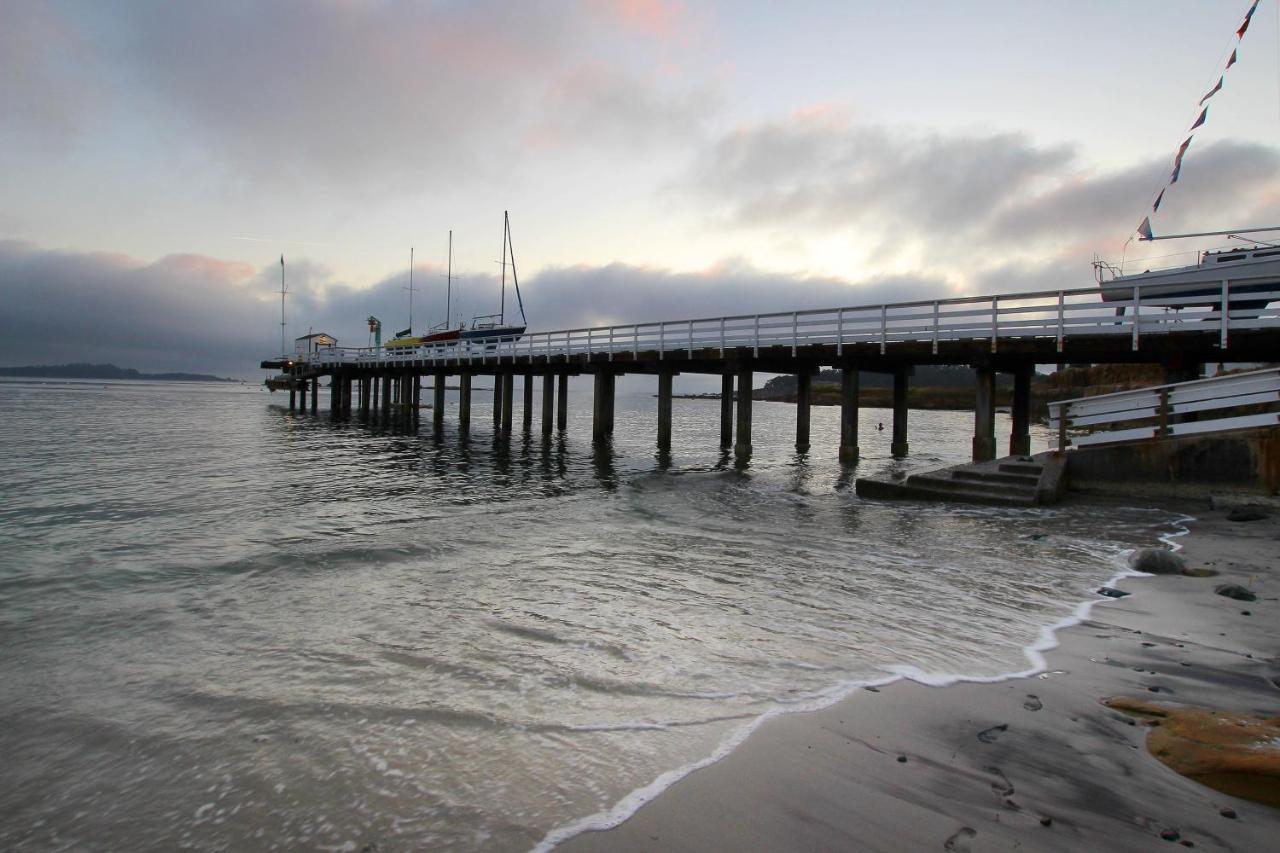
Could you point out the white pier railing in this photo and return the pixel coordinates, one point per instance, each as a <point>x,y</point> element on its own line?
<point>1130,312</point>
<point>1238,401</point>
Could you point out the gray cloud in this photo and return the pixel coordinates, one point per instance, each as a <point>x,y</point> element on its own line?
<point>831,174</point>
<point>1222,185</point>
<point>969,196</point>
<point>359,95</point>
<point>194,313</point>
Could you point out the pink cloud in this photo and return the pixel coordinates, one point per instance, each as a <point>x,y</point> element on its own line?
<point>660,18</point>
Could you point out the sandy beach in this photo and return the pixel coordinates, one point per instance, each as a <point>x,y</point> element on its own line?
<point>1035,763</point>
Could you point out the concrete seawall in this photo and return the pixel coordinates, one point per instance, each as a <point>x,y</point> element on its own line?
<point>1242,461</point>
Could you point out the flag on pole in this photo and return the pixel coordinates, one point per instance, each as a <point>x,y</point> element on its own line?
<point>1212,91</point>
<point>1245,26</point>
<point>1204,113</point>
<point>1232,60</point>
<point>1144,230</point>
<point>1155,208</point>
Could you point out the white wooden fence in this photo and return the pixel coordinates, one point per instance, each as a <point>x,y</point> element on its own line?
<point>1238,401</point>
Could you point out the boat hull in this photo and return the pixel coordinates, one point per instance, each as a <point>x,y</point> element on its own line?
<point>1247,272</point>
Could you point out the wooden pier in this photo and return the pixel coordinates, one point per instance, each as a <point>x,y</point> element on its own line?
<point>1004,333</point>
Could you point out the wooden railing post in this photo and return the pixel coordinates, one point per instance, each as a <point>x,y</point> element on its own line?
<point>1163,430</point>
<point>1223,322</point>
<point>995,321</point>
<point>1061,300</point>
<point>1137,315</point>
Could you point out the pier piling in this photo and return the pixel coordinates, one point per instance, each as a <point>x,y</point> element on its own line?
<point>562,402</point>
<point>899,447</point>
<point>526,416</point>
<point>742,449</point>
<point>849,415</point>
<point>548,404</point>
<point>497,401</point>
<point>1020,435</point>
<point>508,401</point>
<point>437,402</point>
<point>665,382</point>
<point>464,402</point>
<point>315,395</point>
<point>726,410</point>
<point>602,416</point>
<point>984,415</point>
<point>804,388</point>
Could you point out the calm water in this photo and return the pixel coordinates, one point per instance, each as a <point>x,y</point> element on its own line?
<point>227,626</point>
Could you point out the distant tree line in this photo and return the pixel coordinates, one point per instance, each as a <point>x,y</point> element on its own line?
<point>84,370</point>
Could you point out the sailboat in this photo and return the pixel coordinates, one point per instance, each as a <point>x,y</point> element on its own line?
<point>495,325</point>
<point>443,333</point>
<point>281,381</point>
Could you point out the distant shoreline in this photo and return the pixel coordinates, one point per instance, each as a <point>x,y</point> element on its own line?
<point>104,371</point>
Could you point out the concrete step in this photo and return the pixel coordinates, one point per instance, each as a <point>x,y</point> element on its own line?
<point>1014,481</point>
<point>925,488</point>
<point>997,477</point>
<point>950,486</point>
<point>1032,469</point>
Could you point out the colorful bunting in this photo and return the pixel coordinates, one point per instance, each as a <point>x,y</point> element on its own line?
<point>1248,15</point>
<point>1217,87</point>
<point>1144,230</point>
<point>1177,161</point>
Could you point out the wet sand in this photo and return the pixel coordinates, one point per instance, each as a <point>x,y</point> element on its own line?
<point>1034,763</point>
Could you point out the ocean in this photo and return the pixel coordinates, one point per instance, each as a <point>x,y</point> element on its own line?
<point>228,626</point>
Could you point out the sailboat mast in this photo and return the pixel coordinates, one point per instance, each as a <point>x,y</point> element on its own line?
<point>282,335</point>
<point>502,306</point>
<point>515,279</point>
<point>448,293</point>
<point>411,290</point>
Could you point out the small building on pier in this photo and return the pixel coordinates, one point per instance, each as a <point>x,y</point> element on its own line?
<point>313,343</point>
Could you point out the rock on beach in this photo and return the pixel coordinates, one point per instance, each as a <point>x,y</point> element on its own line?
<point>1157,561</point>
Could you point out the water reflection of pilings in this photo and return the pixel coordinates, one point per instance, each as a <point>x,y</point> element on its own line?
<point>602,463</point>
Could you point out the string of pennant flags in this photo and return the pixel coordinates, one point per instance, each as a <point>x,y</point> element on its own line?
<point>1144,229</point>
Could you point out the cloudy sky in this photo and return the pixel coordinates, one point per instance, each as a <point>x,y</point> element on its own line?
<point>660,159</point>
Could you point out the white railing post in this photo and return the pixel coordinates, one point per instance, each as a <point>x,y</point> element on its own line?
<point>662,339</point>
<point>635,342</point>
<point>1137,315</point>
<point>1061,300</point>
<point>755,345</point>
<point>611,343</point>
<point>995,322</point>
<point>884,327</point>
<point>936,320</point>
<point>721,337</point>
<point>840,332</point>
<point>588,344</point>
<point>795,331</point>
<point>1223,322</point>
<point>690,339</point>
